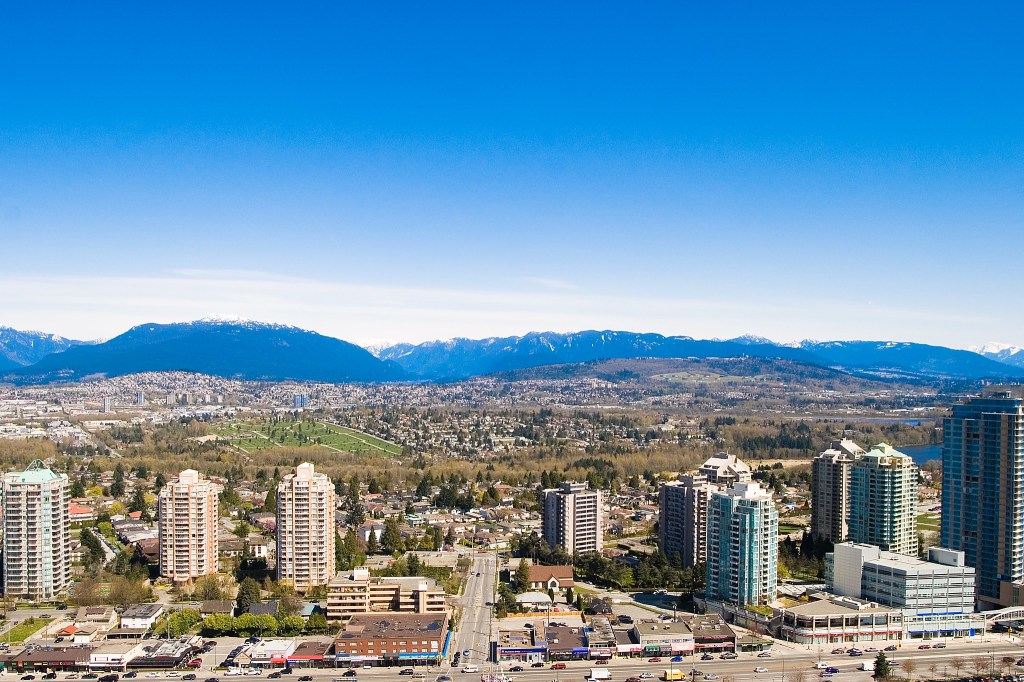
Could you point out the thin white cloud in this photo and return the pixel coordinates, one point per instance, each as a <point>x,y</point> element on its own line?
<point>102,306</point>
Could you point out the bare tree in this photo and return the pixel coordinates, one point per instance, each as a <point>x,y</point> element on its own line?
<point>979,664</point>
<point>797,676</point>
<point>933,668</point>
<point>958,664</point>
<point>909,666</point>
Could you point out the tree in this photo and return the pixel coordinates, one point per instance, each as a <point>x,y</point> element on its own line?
<point>522,579</point>
<point>391,539</point>
<point>77,488</point>
<point>958,663</point>
<point>317,624</point>
<point>181,622</point>
<point>207,588</point>
<point>568,595</point>
<point>94,559</point>
<point>160,481</point>
<point>248,593</point>
<point>909,668</point>
<point>217,624</point>
<point>289,626</point>
<point>356,514</point>
<point>288,604</point>
<point>117,487</point>
<point>413,562</point>
<point>371,542</point>
<point>882,669</point>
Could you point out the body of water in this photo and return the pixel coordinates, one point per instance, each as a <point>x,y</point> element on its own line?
<point>921,453</point>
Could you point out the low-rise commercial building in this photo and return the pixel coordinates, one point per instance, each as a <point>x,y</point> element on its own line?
<point>392,638</point>
<point>141,616</point>
<point>358,592</point>
<point>664,639</point>
<point>566,643</point>
<point>522,645</point>
<point>831,619</point>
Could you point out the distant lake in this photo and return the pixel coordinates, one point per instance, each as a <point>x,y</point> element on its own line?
<point>921,453</point>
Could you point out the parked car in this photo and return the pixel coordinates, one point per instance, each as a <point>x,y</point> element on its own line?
<point>765,654</point>
<point>654,660</point>
<point>760,669</point>
<point>50,676</point>
<point>538,664</point>
<point>646,676</point>
<point>403,671</point>
<point>110,677</point>
<point>711,676</point>
<point>729,655</point>
<point>707,657</point>
<point>924,646</point>
<point>28,677</point>
<point>626,620</point>
<point>677,659</point>
<point>939,645</point>
<point>891,647</point>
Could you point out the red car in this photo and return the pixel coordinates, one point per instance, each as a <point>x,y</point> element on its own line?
<point>654,660</point>
<point>195,663</point>
<point>558,666</point>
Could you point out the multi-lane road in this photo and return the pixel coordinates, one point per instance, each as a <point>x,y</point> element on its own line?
<point>474,634</point>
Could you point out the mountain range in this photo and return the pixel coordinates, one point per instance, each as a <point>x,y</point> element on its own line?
<point>271,352</point>
<point>244,350</point>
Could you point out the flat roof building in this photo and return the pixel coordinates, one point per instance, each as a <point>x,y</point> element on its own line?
<point>187,516</point>
<point>573,518</point>
<point>392,637</point>
<point>358,592</point>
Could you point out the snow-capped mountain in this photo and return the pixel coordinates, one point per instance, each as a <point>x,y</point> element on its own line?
<point>246,350</point>
<point>20,348</point>
<point>1005,353</point>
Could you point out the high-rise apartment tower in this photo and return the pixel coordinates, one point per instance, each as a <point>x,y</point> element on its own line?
<point>573,518</point>
<point>37,535</point>
<point>305,528</point>
<point>187,524</point>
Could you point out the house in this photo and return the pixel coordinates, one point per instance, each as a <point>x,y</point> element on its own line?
<point>211,606</point>
<point>264,608</point>
<point>141,616</point>
<point>101,617</point>
<point>550,577</point>
<point>80,513</point>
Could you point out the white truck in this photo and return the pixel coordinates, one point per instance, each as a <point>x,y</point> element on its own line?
<point>868,665</point>
<point>599,674</point>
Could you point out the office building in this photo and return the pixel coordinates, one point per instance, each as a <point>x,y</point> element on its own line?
<point>883,500</point>
<point>359,592</point>
<point>743,549</point>
<point>305,528</point>
<point>830,490</point>
<point>187,527</point>
<point>300,401</point>
<point>941,585</point>
<point>683,516</point>
<point>983,492</point>
<point>36,533</point>
<point>573,518</point>
<point>392,639</point>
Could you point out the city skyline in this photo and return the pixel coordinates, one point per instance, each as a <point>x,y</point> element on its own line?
<point>376,175</point>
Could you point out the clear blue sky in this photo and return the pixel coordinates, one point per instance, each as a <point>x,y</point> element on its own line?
<point>407,171</point>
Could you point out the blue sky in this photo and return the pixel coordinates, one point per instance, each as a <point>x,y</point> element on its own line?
<point>409,171</point>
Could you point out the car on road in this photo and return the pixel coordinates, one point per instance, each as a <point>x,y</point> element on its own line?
<point>924,646</point>
<point>646,676</point>
<point>707,657</point>
<point>839,650</point>
<point>654,660</point>
<point>90,676</point>
<point>711,676</point>
<point>729,655</point>
<point>190,676</point>
<point>211,679</point>
<point>538,664</point>
<point>632,679</point>
<point>871,649</point>
<point>443,678</point>
<point>50,676</point>
<point>174,673</point>
<point>274,676</point>
<point>131,675</point>
<point>306,678</point>
<point>466,652</point>
<point>349,673</point>
<point>626,620</point>
<point>677,659</point>
<point>28,677</point>
<point>696,673</point>
<point>832,669</point>
<point>855,653</point>
<point>558,666</point>
<point>71,676</point>
<point>516,669</point>
<point>111,677</point>
<point>405,671</point>
<point>765,654</point>
<point>471,669</point>
<point>891,647</point>
<point>940,645</point>
<point>760,669</point>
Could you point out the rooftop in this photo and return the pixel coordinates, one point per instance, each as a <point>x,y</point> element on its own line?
<point>374,626</point>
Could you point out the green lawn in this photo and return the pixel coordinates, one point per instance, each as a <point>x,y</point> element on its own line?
<point>253,436</point>
<point>24,629</point>
<point>928,522</point>
<point>787,528</point>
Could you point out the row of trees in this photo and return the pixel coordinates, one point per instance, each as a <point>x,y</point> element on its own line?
<point>248,625</point>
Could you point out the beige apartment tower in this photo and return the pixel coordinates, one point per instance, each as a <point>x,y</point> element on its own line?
<point>830,490</point>
<point>187,521</point>
<point>305,528</point>
<point>572,518</point>
<point>37,536</point>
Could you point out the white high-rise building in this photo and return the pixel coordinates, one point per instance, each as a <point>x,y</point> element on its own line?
<point>187,521</point>
<point>573,518</point>
<point>37,535</point>
<point>883,500</point>
<point>305,528</point>
<point>830,490</point>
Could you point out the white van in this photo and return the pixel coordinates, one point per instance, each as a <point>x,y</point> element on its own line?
<point>471,669</point>
<point>820,666</point>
